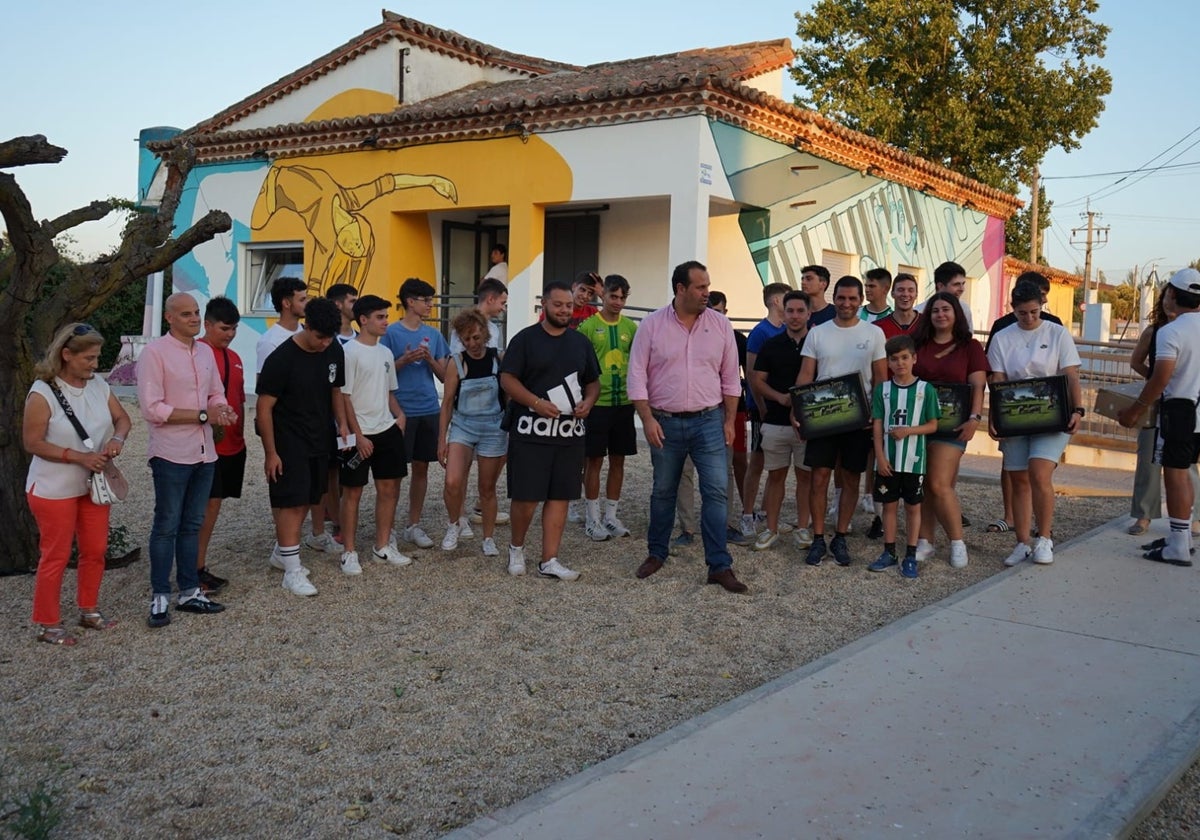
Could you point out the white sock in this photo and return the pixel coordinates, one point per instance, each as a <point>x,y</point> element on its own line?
<point>610,508</point>
<point>290,556</point>
<point>593,509</point>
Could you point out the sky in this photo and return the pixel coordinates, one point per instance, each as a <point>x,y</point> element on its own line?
<point>95,74</point>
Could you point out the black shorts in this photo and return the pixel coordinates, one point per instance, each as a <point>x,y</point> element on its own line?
<point>1177,434</point>
<point>899,485</point>
<point>304,480</point>
<point>610,431</point>
<point>228,475</point>
<point>386,461</point>
<point>852,447</point>
<point>755,433</point>
<point>538,472</point>
<point>421,439</point>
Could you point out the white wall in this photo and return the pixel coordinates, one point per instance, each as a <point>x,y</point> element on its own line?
<point>633,243</point>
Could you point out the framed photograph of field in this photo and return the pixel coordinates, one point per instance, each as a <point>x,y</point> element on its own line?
<point>830,406</point>
<point>954,399</point>
<point>1030,406</point>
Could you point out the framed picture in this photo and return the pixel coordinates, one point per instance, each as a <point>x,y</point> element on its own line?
<point>830,406</point>
<point>954,399</point>
<point>1030,406</point>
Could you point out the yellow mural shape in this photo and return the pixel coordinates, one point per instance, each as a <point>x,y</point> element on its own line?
<point>353,103</point>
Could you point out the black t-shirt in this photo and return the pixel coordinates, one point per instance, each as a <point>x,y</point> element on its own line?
<point>826,313</point>
<point>555,368</point>
<point>740,340</point>
<point>780,358</point>
<point>301,383</point>
<point>1010,319</point>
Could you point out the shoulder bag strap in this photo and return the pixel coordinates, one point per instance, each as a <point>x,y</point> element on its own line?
<point>70,412</point>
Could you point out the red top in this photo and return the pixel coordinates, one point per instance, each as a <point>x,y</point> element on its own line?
<point>891,328</point>
<point>229,368</point>
<point>949,363</point>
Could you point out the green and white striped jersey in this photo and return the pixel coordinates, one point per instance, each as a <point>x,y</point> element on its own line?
<point>905,405</point>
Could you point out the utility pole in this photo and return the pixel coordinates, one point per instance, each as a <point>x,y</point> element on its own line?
<point>1096,236</point>
<point>1034,231</point>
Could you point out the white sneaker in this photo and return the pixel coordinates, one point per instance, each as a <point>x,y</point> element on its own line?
<point>596,531</point>
<point>516,561</point>
<point>804,537</point>
<point>277,562</point>
<point>476,517</point>
<point>552,568</point>
<point>615,526</point>
<point>450,541</point>
<point>323,541</point>
<point>766,539</point>
<point>350,563</point>
<point>786,527</point>
<point>867,504</point>
<point>489,548</point>
<point>749,529</point>
<point>1043,551</point>
<point>416,535</point>
<point>958,554</point>
<point>575,512</point>
<point>1019,555</point>
<point>390,554</point>
<point>924,550</point>
<point>464,529</point>
<point>297,583</point>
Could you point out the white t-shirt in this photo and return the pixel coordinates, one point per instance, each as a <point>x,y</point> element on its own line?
<point>843,350</point>
<point>370,378</point>
<point>498,272</point>
<point>271,339</point>
<point>456,345</point>
<point>1027,354</point>
<point>1180,342</point>
<point>53,479</point>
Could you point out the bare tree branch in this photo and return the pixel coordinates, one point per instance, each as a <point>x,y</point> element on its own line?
<point>93,212</point>
<point>22,151</point>
<point>18,215</point>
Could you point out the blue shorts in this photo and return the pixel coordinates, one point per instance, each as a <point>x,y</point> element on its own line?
<point>480,432</point>
<point>1019,450</point>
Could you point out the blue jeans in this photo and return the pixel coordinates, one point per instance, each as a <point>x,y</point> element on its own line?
<point>180,498</point>
<point>703,438</point>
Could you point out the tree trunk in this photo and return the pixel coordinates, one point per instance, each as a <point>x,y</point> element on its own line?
<point>18,537</point>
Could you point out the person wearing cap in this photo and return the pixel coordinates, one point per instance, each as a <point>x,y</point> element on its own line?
<point>1034,348</point>
<point>1176,380</point>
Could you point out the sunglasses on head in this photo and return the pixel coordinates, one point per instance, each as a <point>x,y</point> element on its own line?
<point>83,329</point>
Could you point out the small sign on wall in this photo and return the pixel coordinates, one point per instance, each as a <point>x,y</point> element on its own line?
<point>706,174</point>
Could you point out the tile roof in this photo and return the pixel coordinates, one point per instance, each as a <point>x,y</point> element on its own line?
<point>1014,267</point>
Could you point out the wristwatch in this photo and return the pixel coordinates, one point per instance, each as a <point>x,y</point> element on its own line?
<point>978,418</point>
<point>1080,410</point>
<point>203,418</point>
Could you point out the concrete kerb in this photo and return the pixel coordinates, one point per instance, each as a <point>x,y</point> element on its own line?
<point>1156,776</point>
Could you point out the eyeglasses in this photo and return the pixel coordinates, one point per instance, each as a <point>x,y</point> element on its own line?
<point>425,300</point>
<point>83,329</point>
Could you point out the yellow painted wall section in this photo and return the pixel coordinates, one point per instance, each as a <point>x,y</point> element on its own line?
<point>353,103</point>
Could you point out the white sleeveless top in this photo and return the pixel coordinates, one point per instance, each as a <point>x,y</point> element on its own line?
<point>52,479</point>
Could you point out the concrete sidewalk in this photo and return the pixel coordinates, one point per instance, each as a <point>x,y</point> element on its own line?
<point>1055,701</point>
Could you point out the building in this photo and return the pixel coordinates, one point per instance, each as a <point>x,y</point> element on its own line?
<point>409,150</point>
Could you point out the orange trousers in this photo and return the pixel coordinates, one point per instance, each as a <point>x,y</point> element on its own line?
<point>61,522</point>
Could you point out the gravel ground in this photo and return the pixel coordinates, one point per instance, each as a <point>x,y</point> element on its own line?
<point>413,700</point>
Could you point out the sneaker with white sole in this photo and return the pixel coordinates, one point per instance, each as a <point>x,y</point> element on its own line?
<point>476,517</point>
<point>489,548</point>
<point>323,541</point>
<point>803,537</point>
<point>958,554</point>
<point>297,583</point>
<point>1019,555</point>
<point>390,554</point>
<point>766,539</point>
<point>276,561</point>
<point>1043,551</point>
<point>464,528</point>
<point>516,560</point>
<point>596,531</point>
<point>575,512</point>
<point>350,564</point>
<point>416,535</point>
<point>615,526</point>
<point>786,527</point>
<point>866,503</point>
<point>450,540</point>
<point>924,550</point>
<point>749,528</point>
<point>552,568</point>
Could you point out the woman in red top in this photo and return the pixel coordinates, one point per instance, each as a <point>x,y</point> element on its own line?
<point>947,354</point>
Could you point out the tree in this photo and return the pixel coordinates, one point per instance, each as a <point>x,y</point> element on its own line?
<point>984,88</point>
<point>40,291</point>
<point>1017,230</point>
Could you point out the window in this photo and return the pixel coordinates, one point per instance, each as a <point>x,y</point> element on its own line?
<point>262,265</point>
<point>839,264</point>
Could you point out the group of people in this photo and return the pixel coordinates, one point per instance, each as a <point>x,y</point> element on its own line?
<point>344,396</point>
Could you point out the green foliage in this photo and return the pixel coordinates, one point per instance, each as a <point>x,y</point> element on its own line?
<point>1124,300</point>
<point>984,88</point>
<point>32,814</point>
<point>120,315</point>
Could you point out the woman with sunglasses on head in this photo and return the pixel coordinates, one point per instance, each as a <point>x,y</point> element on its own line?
<point>57,484</point>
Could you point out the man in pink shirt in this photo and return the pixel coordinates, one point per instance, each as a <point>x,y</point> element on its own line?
<point>683,382</point>
<point>182,398</point>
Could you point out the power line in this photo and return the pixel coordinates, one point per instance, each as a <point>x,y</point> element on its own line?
<point>1118,172</point>
<point>1095,194</point>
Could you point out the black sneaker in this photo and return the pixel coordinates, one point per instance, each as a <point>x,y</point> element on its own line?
<point>159,616</point>
<point>840,551</point>
<point>210,583</point>
<point>816,551</point>
<point>198,603</point>
<point>876,529</point>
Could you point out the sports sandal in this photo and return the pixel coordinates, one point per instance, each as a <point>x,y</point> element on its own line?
<point>56,635</point>
<point>1159,543</point>
<point>998,527</point>
<point>96,621</point>
<point>1157,556</point>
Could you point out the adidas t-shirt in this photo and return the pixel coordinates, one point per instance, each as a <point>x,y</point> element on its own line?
<point>905,405</point>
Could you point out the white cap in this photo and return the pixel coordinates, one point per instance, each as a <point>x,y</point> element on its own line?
<point>1186,279</point>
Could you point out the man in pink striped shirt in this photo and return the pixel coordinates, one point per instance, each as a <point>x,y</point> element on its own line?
<point>182,398</point>
<point>683,382</point>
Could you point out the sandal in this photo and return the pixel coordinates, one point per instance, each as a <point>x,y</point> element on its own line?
<point>56,635</point>
<point>96,621</point>
<point>1159,543</point>
<point>998,527</point>
<point>1157,556</point>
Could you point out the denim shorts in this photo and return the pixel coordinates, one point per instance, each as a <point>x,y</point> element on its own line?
<point>480,432</point>
<point>1019,450</point>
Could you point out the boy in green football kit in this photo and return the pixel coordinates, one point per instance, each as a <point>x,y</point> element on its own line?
<point>903,410</point>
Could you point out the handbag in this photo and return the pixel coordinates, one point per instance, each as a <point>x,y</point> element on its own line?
<point>108,485</point>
